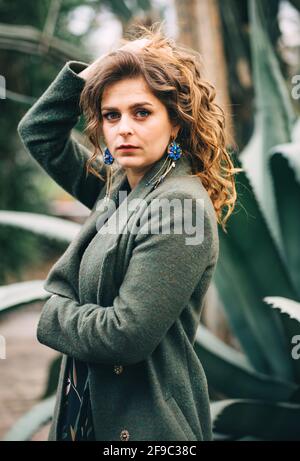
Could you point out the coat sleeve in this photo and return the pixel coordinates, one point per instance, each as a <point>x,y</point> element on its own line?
<point>162,275</point>
<point>45,131</point>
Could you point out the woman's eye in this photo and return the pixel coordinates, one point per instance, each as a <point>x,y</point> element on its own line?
<point>143,111</point>
<point>113,115</point>
<point>107,116</point>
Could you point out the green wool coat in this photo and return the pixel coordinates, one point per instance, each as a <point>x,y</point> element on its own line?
<point>126,303</point>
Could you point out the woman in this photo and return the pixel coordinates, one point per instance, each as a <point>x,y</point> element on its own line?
<point>127,298</point>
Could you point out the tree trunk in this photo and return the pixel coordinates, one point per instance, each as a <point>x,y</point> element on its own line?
<point>200,28</point>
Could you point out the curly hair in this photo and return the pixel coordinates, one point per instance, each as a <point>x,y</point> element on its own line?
<point>173,74</point>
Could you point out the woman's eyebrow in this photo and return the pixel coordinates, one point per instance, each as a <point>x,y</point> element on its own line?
<point>132,106</point>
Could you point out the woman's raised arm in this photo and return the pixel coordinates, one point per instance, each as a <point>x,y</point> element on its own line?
<point>46,133</point>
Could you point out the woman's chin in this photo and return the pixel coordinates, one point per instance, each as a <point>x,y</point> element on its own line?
<point>130,162</point>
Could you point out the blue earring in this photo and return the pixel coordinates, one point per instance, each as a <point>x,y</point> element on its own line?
<point>107,157</point>
<point>174,150</point>
<point>174,153</point>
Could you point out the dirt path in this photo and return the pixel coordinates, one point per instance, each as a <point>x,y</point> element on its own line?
<point>24,370</point>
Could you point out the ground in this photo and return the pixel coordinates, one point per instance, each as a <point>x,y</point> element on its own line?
<point>24,371</point>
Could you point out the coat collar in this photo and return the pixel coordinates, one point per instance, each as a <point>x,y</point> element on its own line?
<point>78,281</point>
<point>182,168</point>
<point>117,217</point>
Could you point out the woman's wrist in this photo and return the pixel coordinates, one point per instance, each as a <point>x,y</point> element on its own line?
<point>84,73</point>
<point>77,67</point>
<point>90,70</point>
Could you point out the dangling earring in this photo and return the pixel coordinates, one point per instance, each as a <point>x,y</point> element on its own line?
<point>174,153</point>
<point>108,160</point>
<point>107,157</point>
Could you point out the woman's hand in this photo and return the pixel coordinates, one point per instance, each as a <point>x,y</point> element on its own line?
<point>90,70</point>
<point>134,46</point>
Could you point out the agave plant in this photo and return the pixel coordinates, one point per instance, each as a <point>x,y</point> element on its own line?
<point>16,295</point>
<point>258,272</point>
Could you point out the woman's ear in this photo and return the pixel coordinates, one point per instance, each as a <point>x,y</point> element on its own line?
<point>175,131</point>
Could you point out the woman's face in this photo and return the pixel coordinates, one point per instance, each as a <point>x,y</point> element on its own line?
<point>133,115</point>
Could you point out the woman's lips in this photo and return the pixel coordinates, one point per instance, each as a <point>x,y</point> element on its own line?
<point>126,149</point>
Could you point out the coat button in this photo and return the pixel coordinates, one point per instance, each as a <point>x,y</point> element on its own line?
<point>118,369</point>
<point>124,435</point>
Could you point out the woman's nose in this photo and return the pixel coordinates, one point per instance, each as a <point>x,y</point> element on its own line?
<point>125,127</point>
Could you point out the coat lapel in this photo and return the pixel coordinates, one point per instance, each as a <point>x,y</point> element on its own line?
<point>109,249</point>
<point>118,218</point>
<point>94,264</point>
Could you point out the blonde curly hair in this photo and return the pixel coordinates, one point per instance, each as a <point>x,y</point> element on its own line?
<point>173,73</point>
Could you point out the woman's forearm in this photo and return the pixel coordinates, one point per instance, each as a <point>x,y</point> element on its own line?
<point>46,133</point>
